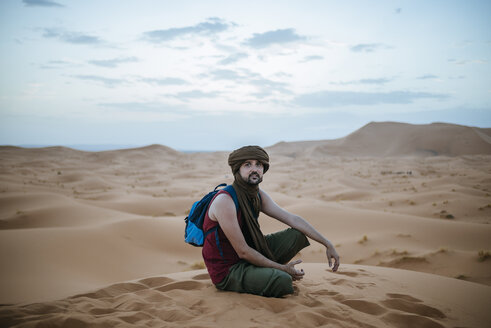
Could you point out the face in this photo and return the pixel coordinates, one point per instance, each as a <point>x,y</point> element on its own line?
<point>252,171</point>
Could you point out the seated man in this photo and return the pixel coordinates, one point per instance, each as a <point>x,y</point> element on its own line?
<point>237,255</point>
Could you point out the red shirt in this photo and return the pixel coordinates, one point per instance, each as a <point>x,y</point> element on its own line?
<point>218,263</point>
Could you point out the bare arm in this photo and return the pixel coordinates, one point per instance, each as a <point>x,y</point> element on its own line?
<point>223,211</point>
<point>270,208</point>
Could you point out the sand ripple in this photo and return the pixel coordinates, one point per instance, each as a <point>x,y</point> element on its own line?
<point>190,300</point>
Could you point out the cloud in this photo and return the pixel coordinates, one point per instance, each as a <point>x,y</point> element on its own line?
<point>263,40</point>
<point>109,82</point>
<point>195,94</point>
<point>41,3</point>
<point>465,62</point>
<point>262,94</point>
<point>113,62</point>
<point>311,58</point>
<point>458,77</point>
<point>378,81</point>
<point>233,58</point>
<point>142,106</point>
<point>327,98</point>
<point>57,64</point>
<point>71,37</point>
<point>283,75</point>
<point>210,27</point>
<point>164,81</point>
<point>226,74</point>
<point>246,77</point>
<point>427,77</point>
<point>464,43</point>
<point>148,111</point>
<point>265,85</point>
<point>375,81</point>
<point>369,47</point>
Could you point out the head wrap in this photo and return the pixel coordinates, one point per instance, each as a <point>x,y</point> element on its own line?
<point>248,197</point>
<point>239,156</point>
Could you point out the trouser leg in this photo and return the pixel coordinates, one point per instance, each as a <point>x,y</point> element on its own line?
<point>245,277</point>
<point>286,244</point>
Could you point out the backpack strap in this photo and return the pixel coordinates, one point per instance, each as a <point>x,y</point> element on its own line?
<point>220,185</point>
<point>231,191</point>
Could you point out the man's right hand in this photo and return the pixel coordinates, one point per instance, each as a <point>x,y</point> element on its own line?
<point>290,269</point>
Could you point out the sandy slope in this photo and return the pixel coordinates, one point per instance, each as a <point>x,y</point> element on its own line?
<point>358,296</point>
<point>74,221</point>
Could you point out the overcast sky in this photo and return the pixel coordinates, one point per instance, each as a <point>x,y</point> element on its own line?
<point>216,75</point>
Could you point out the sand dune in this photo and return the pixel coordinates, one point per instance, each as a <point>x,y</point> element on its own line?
<point>95,224</point>
<point>398,139</point>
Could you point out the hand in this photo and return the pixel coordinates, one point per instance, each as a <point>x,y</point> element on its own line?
<point>290,269</point>
<point>332,254</point>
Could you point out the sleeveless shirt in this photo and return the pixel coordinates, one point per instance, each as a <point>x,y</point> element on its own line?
<point>218,254</point>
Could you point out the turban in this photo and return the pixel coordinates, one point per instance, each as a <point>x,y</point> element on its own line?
<point>239,156</point>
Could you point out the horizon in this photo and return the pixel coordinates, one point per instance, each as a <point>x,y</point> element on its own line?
<point>217,75</point>
<point>110,147</point>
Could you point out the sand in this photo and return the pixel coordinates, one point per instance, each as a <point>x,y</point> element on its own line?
<point>96,238</point>
<point>357,296</point>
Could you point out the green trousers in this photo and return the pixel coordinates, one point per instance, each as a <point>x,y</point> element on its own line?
<point>245,277</point>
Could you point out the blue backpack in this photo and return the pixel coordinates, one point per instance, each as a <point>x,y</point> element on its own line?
<point>193,233</point>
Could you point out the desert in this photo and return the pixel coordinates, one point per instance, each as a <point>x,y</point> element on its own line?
<point>95,239</point>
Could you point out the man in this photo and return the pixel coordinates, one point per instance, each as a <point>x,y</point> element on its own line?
<point>238,256</point>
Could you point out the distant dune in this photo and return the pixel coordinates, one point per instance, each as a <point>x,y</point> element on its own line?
<point>389,139</point>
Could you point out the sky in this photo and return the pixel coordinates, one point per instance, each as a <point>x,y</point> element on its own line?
<point>217,75</point>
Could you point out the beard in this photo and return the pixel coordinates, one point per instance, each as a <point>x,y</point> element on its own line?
<point>254,179</point>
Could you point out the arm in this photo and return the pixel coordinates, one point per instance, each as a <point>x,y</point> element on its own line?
<point>270,208</point>
<point>224,212</point>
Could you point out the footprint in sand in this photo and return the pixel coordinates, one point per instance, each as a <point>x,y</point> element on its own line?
<point>353,274</point>
<point>345,282</point>
<point>324,292</point>
<point>183,285</point>
<point>404,297</point>
<point>101,311</point>
<point>409,304</point>
<point>365,306</point>
<point>410,310</point>
<point>153,282</point>
<point>416,314</point>
<point>113,290</point>
<point>348,273</point>
<point>408,320</point>
<point>203,276</point>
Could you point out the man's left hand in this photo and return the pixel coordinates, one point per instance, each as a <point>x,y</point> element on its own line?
<point>332,255</point>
